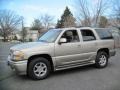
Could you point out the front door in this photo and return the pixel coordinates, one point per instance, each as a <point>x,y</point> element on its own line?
<point>69,52</point>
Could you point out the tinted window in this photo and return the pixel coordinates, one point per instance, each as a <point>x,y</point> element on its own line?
<point>104,34</point>
<point>87,35</point>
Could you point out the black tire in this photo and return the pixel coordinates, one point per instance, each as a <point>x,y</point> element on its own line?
<point>37,62</point>
<point>98,61</point>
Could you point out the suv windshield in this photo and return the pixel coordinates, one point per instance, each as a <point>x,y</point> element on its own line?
<point>50,36</point>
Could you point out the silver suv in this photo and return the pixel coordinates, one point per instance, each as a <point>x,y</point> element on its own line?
<point>60,49</point>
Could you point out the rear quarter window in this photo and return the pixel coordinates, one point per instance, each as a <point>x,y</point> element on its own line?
<point>104,33</point>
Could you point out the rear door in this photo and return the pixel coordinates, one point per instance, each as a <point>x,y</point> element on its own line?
<point>88,45</point>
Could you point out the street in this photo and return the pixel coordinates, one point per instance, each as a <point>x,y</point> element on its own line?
<point>82,78</point>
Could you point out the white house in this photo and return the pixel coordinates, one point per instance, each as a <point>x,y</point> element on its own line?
<point>32,35</point>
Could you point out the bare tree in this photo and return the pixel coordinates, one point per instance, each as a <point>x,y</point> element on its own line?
<point>116,10</point>
<point>46,20</point>
<point>100,8</point>
<point>8,22</point>
<point>90,15</point>
<point>83,12</point>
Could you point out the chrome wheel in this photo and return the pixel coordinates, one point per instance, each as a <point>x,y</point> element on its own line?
<point>40,69</point>
<point>102,60</point>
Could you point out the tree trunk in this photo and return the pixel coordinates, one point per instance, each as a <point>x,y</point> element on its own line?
<point>4,37</point>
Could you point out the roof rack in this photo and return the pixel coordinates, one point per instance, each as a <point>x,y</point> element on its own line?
<point>81,26</point>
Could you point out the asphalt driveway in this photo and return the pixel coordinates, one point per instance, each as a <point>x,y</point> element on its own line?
<point>82,78</point>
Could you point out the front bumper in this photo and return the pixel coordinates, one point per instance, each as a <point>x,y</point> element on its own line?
<point>19,66</point>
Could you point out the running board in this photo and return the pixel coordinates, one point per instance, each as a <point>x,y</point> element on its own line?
<point>74,65</point>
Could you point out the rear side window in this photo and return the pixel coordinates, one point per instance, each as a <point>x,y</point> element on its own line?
<point>104,33</point>
<point>87,35</point>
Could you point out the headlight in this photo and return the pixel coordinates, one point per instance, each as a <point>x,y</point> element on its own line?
<point>18,55</point>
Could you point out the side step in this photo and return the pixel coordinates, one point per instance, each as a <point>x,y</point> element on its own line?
<point>75,65</point>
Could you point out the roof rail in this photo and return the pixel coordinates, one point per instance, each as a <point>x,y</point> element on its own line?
<point>81,26</point>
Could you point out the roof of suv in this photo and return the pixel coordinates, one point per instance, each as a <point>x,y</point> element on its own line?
<point>80,28</point>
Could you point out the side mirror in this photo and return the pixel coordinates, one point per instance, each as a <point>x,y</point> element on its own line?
<point>62,40</point>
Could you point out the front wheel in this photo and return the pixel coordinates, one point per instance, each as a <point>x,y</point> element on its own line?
<point>39,68</point>
<point>101,59</point>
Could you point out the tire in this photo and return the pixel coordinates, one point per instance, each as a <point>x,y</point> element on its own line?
<point>101,59</point>
<point>39,68</point>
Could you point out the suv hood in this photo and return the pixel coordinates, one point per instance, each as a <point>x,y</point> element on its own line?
<point>28,45</point>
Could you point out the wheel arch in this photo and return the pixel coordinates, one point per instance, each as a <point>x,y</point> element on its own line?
<point>105,50</point>
<point>47,56</point>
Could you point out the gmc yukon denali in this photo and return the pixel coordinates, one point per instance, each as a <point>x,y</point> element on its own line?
<point>60,49</point>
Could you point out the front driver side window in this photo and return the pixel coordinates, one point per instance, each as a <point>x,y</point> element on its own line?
<point>71,36</point>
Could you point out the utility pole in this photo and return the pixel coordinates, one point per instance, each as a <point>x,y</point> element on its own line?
<point>22,31</point>
<point>23,38</point>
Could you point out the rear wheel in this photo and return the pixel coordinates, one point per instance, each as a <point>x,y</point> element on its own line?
<point>39,68</point>
<point>101,59</point>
